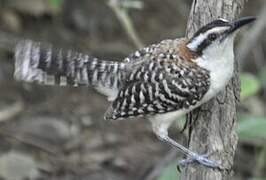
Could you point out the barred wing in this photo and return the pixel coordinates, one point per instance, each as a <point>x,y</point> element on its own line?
<point>159,87</point>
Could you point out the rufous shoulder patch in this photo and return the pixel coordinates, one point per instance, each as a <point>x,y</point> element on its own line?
<point>185,52</point>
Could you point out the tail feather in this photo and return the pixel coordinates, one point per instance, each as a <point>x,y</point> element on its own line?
<point>44,64</point>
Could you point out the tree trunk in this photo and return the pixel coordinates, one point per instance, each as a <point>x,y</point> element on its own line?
<point>213,129</point>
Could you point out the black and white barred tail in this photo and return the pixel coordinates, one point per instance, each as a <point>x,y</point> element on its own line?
<point>45,64</point>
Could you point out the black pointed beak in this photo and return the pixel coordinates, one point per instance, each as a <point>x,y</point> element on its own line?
<point>241,22</point>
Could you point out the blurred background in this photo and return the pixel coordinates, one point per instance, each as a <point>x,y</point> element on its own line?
<point>59,132</point>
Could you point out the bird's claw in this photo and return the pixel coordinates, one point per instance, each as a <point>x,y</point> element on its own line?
<point>201,159</point>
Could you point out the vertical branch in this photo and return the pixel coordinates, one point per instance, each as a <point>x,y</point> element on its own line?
<point>213,131</point>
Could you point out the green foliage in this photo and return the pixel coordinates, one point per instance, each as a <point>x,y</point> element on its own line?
<point>252,128</point>
<point>250,85</point>
<point>170,173</point>
<point>262,76</point>
<point>56,3</point>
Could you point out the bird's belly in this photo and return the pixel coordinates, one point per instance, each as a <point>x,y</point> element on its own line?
<point>161,122</point>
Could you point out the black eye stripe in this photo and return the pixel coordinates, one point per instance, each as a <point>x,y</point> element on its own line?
<point>206,42</point>
<point>203,45</point>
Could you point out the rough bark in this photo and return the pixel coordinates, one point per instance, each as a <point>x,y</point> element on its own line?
<point>213,129</point>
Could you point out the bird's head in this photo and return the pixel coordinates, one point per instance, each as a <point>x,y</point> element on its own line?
<point>213,48</point>
<point>216,36</point>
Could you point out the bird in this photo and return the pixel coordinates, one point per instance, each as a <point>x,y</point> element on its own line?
<point>162,81</point>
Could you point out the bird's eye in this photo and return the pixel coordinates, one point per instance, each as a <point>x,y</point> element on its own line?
<point>212,37</point>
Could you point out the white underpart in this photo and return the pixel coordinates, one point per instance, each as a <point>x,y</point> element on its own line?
<point>199,39</point>
<point>161,123</point>
<point>111,93</point>
<point>218,58</point>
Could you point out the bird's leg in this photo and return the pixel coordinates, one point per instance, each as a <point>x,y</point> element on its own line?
<point>188,160</point>
<point>160,125</point>
<point>191,156</point>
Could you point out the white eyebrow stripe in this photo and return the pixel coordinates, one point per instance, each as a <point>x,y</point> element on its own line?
<point>217,30</point>
<point>200,38</point>
<point>224,20</point>
<point>196,42</point>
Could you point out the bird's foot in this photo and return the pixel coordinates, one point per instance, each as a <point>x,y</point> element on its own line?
<point>201,159</point>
